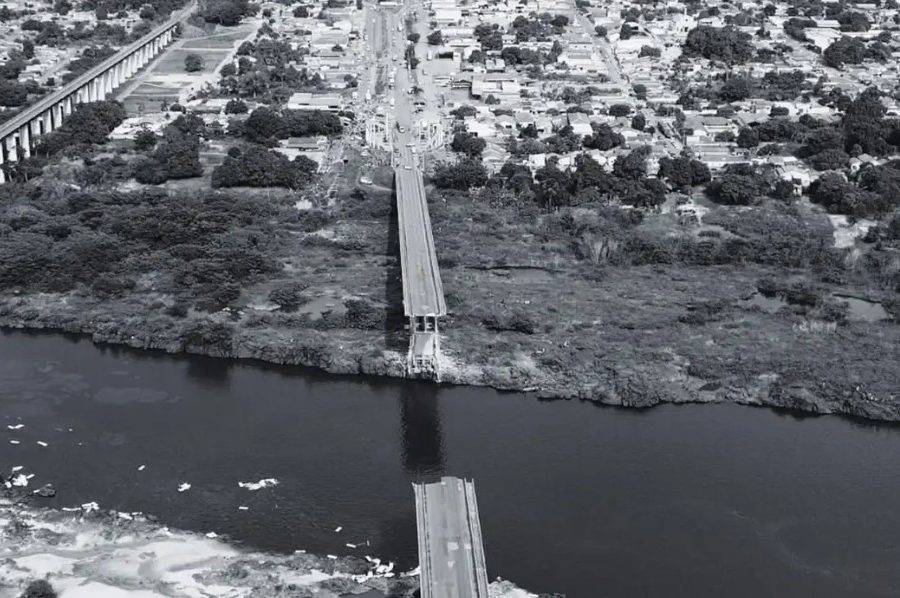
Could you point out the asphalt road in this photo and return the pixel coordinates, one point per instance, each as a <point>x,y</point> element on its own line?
<point>423,292</point>
<point>454,566</point>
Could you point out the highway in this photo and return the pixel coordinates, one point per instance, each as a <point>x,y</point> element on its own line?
<point>423,291</point>
<point>451,555</point>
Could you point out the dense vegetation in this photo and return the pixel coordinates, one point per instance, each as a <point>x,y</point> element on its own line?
<point>198,247</point>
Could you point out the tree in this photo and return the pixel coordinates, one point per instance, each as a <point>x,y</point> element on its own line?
<point>736,89</point>
<point>435,38</point>
<point>640,91</point>
<point>649,52</point>
<point>619,110</point>
<point>845,50</point>
<point>177,156</point>
<point>193,63</point>
<point>145,139</point>
<point>257,166</point>
<point>263,123</point>
<point>830,159</point>
<point>464,174</point>
<point>301,12</point>
<point>28,49</point>
<point>733,190</point>
<point>468,144</point>
<point>638,122</point>
<point>632,165</point>
<point>683,172</point>
<point>748,137</point>
<point>62,7</point>
<point>236,106</point>
<point>413,37</point>
<point>225,12</point>
<point>13,94</point>
<point>603,138</point>
<point>39,589</point>
<point>853,21</point>
<point>726,44</point>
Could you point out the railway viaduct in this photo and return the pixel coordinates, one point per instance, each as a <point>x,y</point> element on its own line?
<point>19,134</point>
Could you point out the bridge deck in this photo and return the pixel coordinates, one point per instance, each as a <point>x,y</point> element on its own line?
<point>451,556</point>
<point>423,291</point>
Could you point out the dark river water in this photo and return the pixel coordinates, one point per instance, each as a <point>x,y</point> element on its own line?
<point>578,499</point>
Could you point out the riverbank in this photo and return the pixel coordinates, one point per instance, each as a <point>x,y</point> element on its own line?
<point>641,353</point>
<point>89,553</point>
<point>751,307</point>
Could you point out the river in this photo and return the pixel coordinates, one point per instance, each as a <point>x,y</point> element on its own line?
<point>578,499</point>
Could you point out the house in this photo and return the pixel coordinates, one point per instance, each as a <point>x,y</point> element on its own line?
<point>308,101</point>
<point>580,123</point>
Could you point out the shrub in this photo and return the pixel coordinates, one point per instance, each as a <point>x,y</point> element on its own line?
<point>288,295</point>
<point>193,63</point>
<point>236,106</point>
<point>144,139</point>
<point>39,589</point>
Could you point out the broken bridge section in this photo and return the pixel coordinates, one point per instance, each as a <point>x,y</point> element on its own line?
<point>451,552</point>
<point>423,291</point>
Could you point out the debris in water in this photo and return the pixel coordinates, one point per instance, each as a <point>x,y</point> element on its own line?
<point>141,468</point>
<point>14,442</point>
<point>338,529</point>
<point>46,491</point>
<point>332,556</point>
<point>17,468</point>
<point>243,508</point>
<point>183,487</point>
<point>212,535</point>
<point>125,516</point>
<point>16,427</point>
<point>90,506</point>
<point>349,545</point>
<point>21,480</point>
<point>41,443</point>
<point>265,483</point>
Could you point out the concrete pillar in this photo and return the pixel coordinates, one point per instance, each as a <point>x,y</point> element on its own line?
<point>48,121</point>
<point>25,140</point>
<point>2,174</point>
<point>12,154</point>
